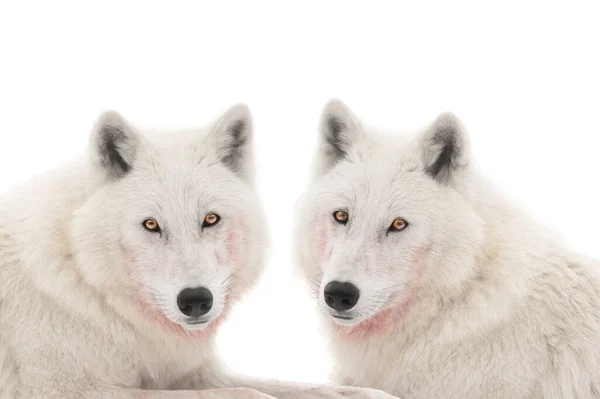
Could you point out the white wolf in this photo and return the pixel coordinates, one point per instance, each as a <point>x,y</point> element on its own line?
<point>116,270</point>
<point>433,285</point>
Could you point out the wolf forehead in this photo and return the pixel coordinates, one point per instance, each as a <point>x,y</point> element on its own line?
<point>378,166</point>
<point>362,189</point>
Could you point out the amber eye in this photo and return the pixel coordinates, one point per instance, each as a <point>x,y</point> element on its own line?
<point>211,219</point>
<point>341,216</point>
<point>151,225</point>
<point>398,224</point>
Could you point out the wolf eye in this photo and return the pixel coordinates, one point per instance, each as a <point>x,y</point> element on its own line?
<point>398,224</point>
<point>210,220</point>
<point>151,225</point>
<point>341,216</point>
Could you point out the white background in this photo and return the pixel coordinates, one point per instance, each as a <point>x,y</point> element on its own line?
<point>523,76</point>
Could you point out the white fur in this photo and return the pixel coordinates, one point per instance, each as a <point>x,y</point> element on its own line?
<point>472,300</point>
<point>88,296</point>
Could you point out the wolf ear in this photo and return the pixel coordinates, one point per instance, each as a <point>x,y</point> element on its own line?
<point>445,148</point>
<point>339,131</point>
<point>114,143</point>
<point>231,138</point>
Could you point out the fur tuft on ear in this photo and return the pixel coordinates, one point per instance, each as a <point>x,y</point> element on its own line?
<point>113,144</point>
<point>232,140</point>
<point>445,147</point>
<point>339,131</point>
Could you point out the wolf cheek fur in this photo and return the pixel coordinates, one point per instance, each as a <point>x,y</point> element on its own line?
<point>472,299</point>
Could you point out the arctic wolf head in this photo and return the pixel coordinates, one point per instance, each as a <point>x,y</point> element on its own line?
<point>173,225</point>
<point>387,219</point>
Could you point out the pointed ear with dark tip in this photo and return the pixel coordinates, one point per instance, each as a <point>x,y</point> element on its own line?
<point>445,148</point>
<point>114,144</point>
<point>339,131</point>
<point>231,139</point>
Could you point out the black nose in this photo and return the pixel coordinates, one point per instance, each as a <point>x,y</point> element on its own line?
<point>195,302</point>
<point>341,296</point>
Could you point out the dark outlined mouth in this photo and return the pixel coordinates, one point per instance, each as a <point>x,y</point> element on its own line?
<point>196,322</point>
<point>342,317</point>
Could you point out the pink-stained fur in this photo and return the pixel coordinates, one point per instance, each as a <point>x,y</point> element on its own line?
<point>233,247</point>
<point>392,316</point>
<point>151,313</point>
<point>324,250</point>
<point>321,244</point>
<point>158,318</point>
